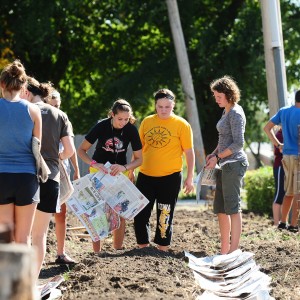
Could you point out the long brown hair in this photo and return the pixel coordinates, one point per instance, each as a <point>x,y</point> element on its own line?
<point>119,106</point>
<point>43,89</point>
<point>13,76</point>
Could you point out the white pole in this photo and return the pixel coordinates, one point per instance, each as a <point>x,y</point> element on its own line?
<point>274,55</point>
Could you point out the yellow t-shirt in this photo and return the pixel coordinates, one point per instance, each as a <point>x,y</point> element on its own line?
<point>163,144</point>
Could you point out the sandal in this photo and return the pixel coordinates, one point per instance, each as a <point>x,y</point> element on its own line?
<point>64,259</point>
<point>282,226</point>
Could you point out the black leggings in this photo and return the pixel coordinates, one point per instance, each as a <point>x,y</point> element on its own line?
<point>165,191</point>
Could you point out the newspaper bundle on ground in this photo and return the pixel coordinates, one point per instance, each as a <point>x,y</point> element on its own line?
<point>231,276</point>
<point>99,200</point>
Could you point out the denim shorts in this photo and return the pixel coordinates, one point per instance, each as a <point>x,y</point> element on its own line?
<point>228,188</point>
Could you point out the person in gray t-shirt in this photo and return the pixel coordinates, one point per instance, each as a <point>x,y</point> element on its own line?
<point>233,161</point>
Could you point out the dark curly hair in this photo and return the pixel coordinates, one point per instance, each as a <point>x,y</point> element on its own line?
<point>227,86</point>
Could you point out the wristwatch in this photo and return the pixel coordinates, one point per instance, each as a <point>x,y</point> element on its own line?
<point>217,156</point>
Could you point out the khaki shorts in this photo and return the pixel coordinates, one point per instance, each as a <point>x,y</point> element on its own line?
<point>290,166</point>
<point>229,182</point>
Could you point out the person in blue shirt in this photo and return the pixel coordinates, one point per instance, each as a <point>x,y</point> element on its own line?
<point>19,122</point>
<point>289,119</point>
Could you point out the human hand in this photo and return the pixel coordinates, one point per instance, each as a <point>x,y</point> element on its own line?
<point>131,175</point>
<point>280,147</point>
<point>188,186</point>
<point>100,167</point>
<point>76,175</point>
<point>116,169</point>
<point>211,162</point>
<point>209,156</point>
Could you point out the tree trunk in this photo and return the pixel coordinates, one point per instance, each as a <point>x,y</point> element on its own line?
<point>187,82</point>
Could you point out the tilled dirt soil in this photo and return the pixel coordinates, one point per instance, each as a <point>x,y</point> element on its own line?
<point>151,274</point>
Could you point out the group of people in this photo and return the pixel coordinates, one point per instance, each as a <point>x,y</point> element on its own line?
<point>27,203</point>
<point>289,119</point>
<point>29,108</point>
<point>157,149</point>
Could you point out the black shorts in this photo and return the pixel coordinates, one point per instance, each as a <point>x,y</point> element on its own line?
<point>49,194</point>
<point>19,188</point>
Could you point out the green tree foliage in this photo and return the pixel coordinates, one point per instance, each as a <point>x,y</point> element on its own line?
<point>97,51</point>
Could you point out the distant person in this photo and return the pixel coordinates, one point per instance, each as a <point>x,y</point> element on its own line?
<point>167,139</point>
<point>233,161</point>
<point>113,136</point>
<point>19,122</point>
<point>56,129</point>
<point>289,119</point>
<point>278,173</point>
<point>60,218</point>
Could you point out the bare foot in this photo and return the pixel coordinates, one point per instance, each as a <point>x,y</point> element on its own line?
<point>143,245</point>
<point>162,248</point>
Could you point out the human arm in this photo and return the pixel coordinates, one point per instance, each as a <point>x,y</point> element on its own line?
<point>215,157</point>
<point>209,156</point>
<point>190,163</point>
<point>271,135</point>
<point>36,116</point>
<point>68,147</point>
<point>74,162</point>
<point>82,153</point>
<point>136,161</point>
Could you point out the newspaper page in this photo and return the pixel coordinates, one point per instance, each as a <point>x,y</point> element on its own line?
<point>65,187</point>
<point>99,200</point>
<point>120,194</point>
<point>51,285</point>
<point>100,221</point>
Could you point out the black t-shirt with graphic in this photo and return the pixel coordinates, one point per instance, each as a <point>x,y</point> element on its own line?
<point>106,149</point>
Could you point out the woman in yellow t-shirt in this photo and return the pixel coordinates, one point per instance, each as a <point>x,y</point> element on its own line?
<point>166,138</point>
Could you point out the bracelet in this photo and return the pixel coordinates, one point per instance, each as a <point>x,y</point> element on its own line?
<point>93,162</point>
<point>125,167</point>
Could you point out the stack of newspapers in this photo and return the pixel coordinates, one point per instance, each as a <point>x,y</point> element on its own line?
<point>99,200</point>
<point>231,276</point>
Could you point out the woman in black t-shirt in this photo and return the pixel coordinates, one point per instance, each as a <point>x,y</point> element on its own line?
<point>113,135</point>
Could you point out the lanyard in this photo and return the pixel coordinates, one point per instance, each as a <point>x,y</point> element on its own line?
<point>113,141</point>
